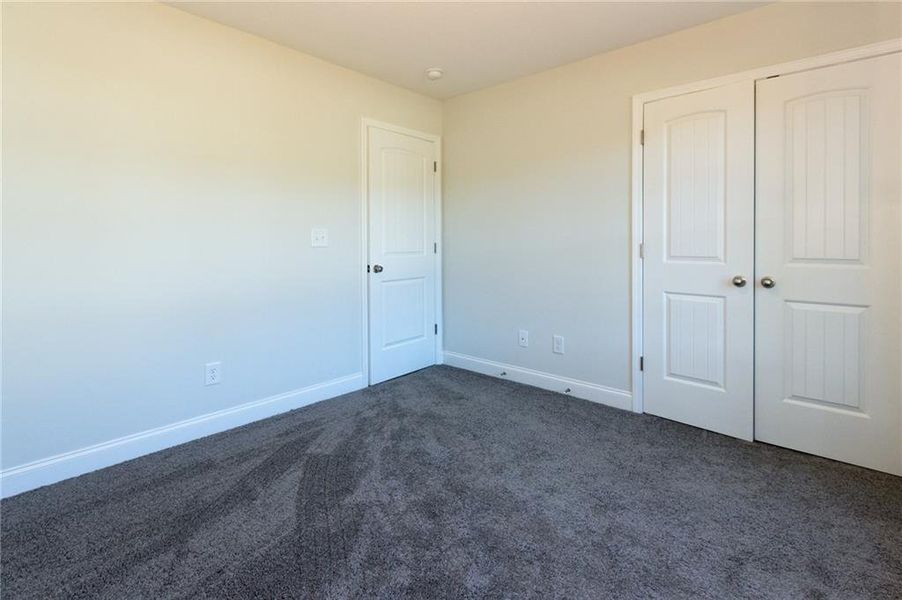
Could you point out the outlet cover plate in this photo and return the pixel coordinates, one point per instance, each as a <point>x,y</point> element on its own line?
<point>319,237</point>
<point>212,373</point>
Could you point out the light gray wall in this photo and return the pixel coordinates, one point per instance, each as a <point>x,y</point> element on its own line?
<point>537,174</point>
<point>161,174</point>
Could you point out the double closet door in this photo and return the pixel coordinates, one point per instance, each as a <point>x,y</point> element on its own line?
<point>772,302</point>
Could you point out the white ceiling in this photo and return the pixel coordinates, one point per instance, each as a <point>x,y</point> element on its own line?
<point>478,44</point>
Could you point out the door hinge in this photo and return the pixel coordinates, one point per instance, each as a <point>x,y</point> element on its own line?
<point>641,363</point>
<point>436,329</point>
<point>641,250</point>
<point>435,247</point>
<point>641,137</point>
<point>435,166</point>
<point>367,268</point>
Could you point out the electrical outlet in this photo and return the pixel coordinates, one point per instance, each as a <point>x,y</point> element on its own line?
<point>212,373</point>
<point>319,237</point>
<point>557,345</point>
<point>524,338</point>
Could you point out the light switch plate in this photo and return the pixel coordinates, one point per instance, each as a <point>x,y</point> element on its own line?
<point>319,237</point>
<point>557,344</point>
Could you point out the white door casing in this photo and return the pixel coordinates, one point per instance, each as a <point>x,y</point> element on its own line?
<point>698,235</point>
<point>402,278</point>
<point>829,376</point>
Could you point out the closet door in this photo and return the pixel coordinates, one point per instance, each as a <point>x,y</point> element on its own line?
<point>828,377</point>
<point>699,252</point>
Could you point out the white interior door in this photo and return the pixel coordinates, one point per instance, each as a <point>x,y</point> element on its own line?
<point>829,373</point>
<point>698,236</point>
<point>402,266</point>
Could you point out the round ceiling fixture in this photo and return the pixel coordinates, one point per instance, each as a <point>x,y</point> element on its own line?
<point>434,73</point>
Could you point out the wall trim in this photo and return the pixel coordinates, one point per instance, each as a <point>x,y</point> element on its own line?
<point>636,192</point>
<point>580,389</point>
<point>45,471</point>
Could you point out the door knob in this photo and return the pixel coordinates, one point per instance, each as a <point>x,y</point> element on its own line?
<point>768,282</point>
<point>377,268</point>
<point>739,281</point>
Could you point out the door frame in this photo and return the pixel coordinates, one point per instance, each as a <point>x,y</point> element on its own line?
<point>637,171</point>
<point>365,125</point>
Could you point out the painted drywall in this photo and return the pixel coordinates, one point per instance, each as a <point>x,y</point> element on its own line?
<point>536,185</point>
<point>162,174</point>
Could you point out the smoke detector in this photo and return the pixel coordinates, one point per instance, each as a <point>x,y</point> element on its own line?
<point>434,73</point>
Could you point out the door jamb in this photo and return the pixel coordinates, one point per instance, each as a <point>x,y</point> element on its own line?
<point>636,192</point>
<point>365,125</point>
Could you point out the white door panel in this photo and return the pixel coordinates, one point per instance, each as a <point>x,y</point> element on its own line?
<point>698,235</point>
<point>401,194</point>
<point>829,375</point>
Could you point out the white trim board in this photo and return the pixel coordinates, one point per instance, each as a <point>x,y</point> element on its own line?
<point>580,389</point>
<point>636,193</point>
<point>22,478</point>
<point>365,124</point>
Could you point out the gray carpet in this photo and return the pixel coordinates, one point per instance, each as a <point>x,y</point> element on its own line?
<point>448,484</point>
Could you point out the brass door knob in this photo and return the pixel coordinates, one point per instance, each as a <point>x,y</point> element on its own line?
<point>739,281</point>
<point>768,282</point>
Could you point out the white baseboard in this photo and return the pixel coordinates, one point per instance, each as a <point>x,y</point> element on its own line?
<point>22,478</point>
<point>580,389</point>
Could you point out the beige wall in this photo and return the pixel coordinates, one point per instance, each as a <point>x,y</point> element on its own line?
<point>161,174</point>
<point>537,173</point>
<point>161,177</point>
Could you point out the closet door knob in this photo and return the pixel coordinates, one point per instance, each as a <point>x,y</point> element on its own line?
<point>739,281</point>
<point>377,268</point>
<point>768,282</point>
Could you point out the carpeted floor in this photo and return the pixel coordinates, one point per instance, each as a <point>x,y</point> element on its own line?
<point>448,484</point>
